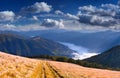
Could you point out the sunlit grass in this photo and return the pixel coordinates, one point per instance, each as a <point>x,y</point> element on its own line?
<point>68,70</point>
<point>19,67</point>
<point>16,67</point>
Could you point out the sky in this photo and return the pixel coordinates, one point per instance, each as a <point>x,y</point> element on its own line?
<point>85,15</point>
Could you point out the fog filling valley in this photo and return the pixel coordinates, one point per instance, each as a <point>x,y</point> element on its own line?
<point>82,52</point>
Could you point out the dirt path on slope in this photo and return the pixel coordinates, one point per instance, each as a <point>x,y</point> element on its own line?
<point>45,70</point>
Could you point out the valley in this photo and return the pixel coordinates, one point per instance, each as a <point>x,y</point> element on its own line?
<point>60,39</point>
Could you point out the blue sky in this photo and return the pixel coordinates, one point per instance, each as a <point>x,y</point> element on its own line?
<point>64,5</point>
<point>30,15</point>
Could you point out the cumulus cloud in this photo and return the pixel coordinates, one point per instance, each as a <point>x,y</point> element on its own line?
<point>72,16</point>
<point>46,24</point>
<point>59,12</point>
<point>52,23</point>
<point>7,16</point>
<point>97,20</point>
<point>37,8</point>
<point>105,15</point>
<point>68,15</point>
<point>104,10</point>
<point>88,8</point>
<point>30,27</point>
<point>35,18</point>
<point>7,27</point>
<point>110,6</point>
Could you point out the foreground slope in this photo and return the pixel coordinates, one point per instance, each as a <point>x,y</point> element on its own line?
<point>109,58</point>
<point>75,71</point>
<point>19,67</point>
<point>16,67</point>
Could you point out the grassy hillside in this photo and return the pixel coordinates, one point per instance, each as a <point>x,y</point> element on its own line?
<point>19,67</point>
<point>75,71</point>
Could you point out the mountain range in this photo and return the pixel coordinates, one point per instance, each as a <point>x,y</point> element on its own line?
<point>30,47</point>
<point>93,41</point>
<point>37,46</point>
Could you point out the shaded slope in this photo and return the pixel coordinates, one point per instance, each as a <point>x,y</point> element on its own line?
<point>109,58</point>
<point>19,45</point>
<point>101,41</point>
<point>54,47</point>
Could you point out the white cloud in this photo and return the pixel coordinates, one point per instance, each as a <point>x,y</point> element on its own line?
<point>49,15</point>
<point>35,18</point>
<point>81,52</point>
<point>37,8</point>
<point>30,27</point>
<point>103,21</point>
<point>97,20</point>
<point>104,15</point>
<point>7,27</point>
<point>68,15</point>
<point>110,6</point>
<point>88,8</point>
<point>59,12</point>
<point>68,25</point>
<point>83,55</point>
<point>52,23</point>
<point>76,26</point>
<point>18,17</point>
<point>72,16</point>
<point>46,24</point>
<point>7,16</point>
<point>104,10</point>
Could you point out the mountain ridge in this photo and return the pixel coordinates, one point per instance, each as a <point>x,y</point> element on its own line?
<point>19,45</point>
<point>109,58</point>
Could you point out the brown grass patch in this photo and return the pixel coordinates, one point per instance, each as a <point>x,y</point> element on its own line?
<point>76,71</point>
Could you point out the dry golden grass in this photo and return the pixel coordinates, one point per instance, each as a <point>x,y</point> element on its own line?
<point>76,71</point>
<point>19,67</point>
<point>16,67</point>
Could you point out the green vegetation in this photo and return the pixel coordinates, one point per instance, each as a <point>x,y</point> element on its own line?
<point>110,58</point>
<point>79,62</point>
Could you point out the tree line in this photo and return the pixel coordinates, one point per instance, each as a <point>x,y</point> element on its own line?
<point>78,62</point>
